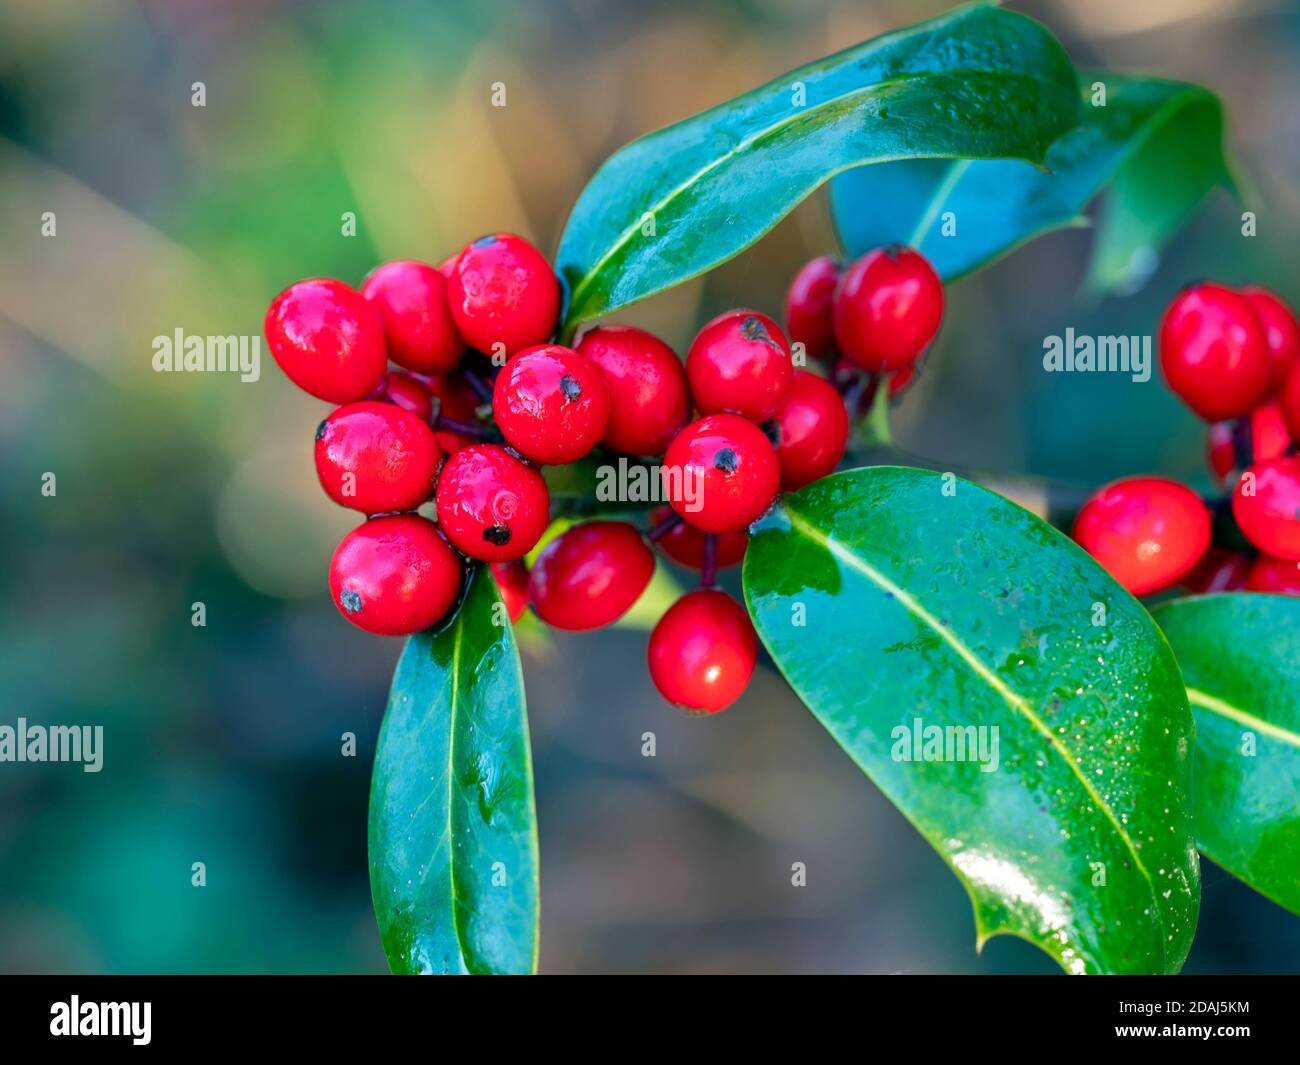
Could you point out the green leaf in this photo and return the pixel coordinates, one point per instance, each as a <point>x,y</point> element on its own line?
<point>890,595</point>
<point>976,82</point>
<point>1240,656</point>
<point>1158,143</point>
<point>453,831</point>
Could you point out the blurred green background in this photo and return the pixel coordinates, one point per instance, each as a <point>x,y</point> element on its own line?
<point>222,743</point>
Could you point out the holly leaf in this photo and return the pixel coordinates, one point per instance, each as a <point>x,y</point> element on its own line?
<point>977,82</point>
<point>1157,144</point>
<point>453,831</point>
<point>1015,703</point>
<point>1240,656</point>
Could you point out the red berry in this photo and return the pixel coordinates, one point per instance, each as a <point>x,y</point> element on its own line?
<point>448,265</point>
<point>649,402</point>
<point>1148,532</point>
<point>590,575</point>
<point>1213,353</point>
<point>327,339</point>
<point>812,430</point>
<point>684,543</point>
<point>808,307</point>
<point>490,505</point>
<point>409,392</point>
<point>1269,437</point>
<point>376,458</point>
<point>394,575</point>
<point>512,582</point>
<point>1221,449</point>
<point>901,380</point>
<point>1281,331</point>
<point>1266,504</point>
<point>503,292</point>
<point>1289,402</point>
<point>702,652</point>
<point>1220,570</point>
<point>411,298</point>
<point>551,404</point>
<point>739,362</point>
<point>887,309</point>
<point>720,473</point>
<point>1275,575</point>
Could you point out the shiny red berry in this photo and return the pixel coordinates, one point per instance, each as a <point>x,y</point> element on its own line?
<point>1213,353</point>
<point>740,363</point>
<point>720,473</point>
<point>376,458</point>
<point>394,575</point>
<point>684,543</point>
<point>888,308</point>
<point>504,295</point>
<point>512,582</point>
<point>1269,437</point>
<point>648,399</point>
<point>1221,449</point>
<point>419,332</point>
<point>1148,532</point>
<point>812,430</point>
<point>490,505</point>
<point>410,393</point>
<point>590,575</point>
<point>1266,504</point>
<point>1221,570</point>
<point>808,304</point>
<point>702,652</point>
<point>1276,575</point>
<point>551,404</point>
<point>327,339</point>
<point>1289,402</point>
<point>1281,331</point>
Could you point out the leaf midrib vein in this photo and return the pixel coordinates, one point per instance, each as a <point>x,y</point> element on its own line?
<point>740,146</point>
<point>1224,708</point>
<point>1014,700</point>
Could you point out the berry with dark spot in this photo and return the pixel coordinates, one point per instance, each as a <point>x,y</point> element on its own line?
<point>720,473</point>
<point>739,363</point>
<point>551,404</point>
<point>490,505</point>
<point>394,575</point>
<point>376,458</point>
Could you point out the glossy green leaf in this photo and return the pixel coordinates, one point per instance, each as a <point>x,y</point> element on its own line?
<point>976,82</point>
<point>1159,145</point>
<point>1240,657</point>
<point>897,601</point>
<point>453,831</point>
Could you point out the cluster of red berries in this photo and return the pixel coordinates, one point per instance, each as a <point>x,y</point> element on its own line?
<point>482,398</point>
<point>1233,356</point>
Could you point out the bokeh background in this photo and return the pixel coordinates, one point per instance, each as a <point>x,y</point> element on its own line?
<point>223,742</point>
